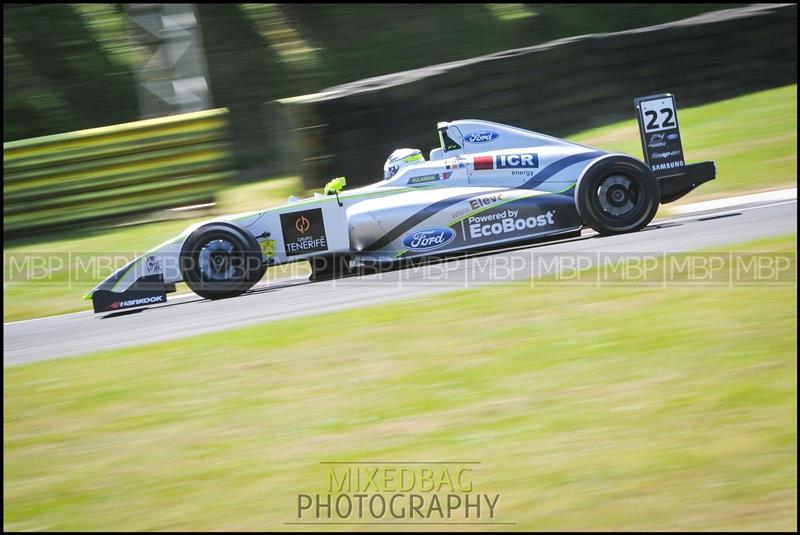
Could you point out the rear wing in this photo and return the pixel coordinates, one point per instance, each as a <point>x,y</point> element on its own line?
<point>663,149</point>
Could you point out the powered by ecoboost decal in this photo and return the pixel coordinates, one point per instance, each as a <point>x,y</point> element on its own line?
<point>506,222</point>
<point>304,232</point>
<point>523,217</point>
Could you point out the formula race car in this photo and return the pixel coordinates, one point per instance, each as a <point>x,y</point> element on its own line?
<point>486,185</point>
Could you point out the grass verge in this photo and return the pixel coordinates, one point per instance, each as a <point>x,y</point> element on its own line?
<point>588,408</point>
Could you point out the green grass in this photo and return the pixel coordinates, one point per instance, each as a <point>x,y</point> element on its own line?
<point>30,291</point>
<point>261,195</point>
<point>61,290</point>
<point>752,138</point>
<point>588,408</point>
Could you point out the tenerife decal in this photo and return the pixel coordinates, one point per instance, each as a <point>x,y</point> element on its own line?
<point>304,232</point>
<point>481,136</point>
<point>418,218</point>
<point>428,239</point>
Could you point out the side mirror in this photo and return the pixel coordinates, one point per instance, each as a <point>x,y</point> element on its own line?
<point>335,186</point>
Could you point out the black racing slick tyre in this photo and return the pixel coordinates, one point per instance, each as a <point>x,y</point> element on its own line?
<point>617,194</point>
<point>220,260</point>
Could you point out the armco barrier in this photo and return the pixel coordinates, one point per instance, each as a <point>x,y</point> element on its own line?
<point>558,88</point>
<point>76,177</point>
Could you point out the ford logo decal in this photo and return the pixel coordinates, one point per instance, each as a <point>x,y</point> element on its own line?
<point>428,239</point>
<point>483,136</point>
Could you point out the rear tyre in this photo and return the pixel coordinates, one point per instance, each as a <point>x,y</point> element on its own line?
<point>221,260</point>
<point>617,194</point>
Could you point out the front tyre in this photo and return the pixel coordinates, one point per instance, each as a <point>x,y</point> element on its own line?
<point>220,260</point>
<point>617,194</point>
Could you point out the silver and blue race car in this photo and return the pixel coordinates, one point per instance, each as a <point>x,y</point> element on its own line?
<point>486,185</point>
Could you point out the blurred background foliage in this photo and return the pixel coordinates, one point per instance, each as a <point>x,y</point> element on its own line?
<point>72,66</point>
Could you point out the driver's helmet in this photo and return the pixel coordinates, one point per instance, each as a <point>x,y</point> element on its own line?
<point>399,159</point>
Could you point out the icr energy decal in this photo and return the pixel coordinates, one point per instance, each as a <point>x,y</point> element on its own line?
<point>398,492</point>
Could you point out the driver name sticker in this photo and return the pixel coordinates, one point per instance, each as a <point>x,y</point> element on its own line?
<point>429,178</point>
<point>304,232</point>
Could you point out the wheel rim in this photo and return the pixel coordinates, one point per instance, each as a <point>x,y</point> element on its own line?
<point>217,261</point>
<point>618,196</point>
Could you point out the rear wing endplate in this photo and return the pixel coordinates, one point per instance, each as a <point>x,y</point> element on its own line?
<point>663,150</point>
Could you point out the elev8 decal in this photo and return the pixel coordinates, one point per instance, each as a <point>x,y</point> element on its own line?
<point>304,232</point>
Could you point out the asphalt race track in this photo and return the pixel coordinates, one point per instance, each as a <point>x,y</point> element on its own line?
<point>84,332</point>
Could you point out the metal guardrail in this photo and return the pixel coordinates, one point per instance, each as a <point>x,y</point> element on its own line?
<point>113,171</point>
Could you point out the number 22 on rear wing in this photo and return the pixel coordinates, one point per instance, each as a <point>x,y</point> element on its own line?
<point>663,149</point>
